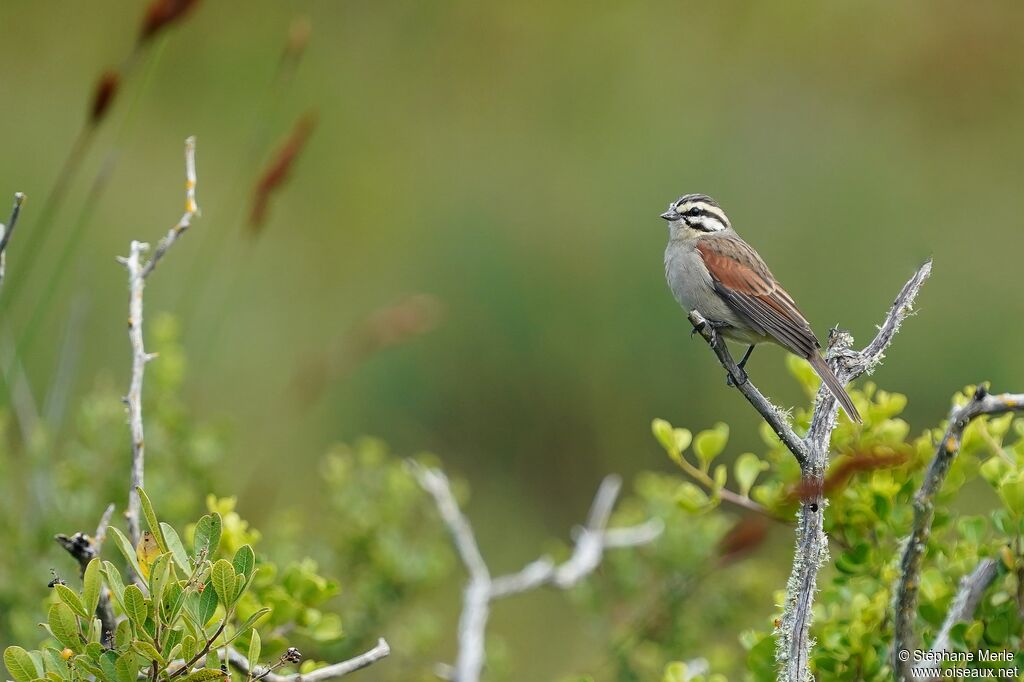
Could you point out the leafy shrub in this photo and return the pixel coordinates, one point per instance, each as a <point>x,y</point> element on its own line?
<point>875,470</point>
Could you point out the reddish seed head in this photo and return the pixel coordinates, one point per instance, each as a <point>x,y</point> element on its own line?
<point>277,171</point>
<point>162,13</point>
<point>103,95</point>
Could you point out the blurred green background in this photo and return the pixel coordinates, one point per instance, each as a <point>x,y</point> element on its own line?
<point>510,160</point>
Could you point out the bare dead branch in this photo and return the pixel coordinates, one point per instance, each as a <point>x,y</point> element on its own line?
<point>590,543</point>
<point>138,270</point>
<point>905,598</point>
<point>972,588</point>
<point>328,672</point>
<point>237,660</point>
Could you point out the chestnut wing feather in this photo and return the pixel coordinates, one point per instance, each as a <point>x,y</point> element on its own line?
<point>743,280</point>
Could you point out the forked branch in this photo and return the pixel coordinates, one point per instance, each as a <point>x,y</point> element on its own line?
<point>590,543</point>
<point>905,599</point>
<point>793,642</point>
<point>138,270</point>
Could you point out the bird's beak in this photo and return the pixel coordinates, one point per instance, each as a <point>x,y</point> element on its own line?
<point>670,215</point>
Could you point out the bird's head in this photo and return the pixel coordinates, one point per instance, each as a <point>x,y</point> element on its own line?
<point>697,212</point>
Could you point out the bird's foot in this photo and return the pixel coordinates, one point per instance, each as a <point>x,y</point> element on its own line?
<point>714,325</point>
<point>729,381</point>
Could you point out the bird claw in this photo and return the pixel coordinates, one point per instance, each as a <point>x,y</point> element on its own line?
<point>730,382</point>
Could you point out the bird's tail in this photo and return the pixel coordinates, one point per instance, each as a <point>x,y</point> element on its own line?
<point>822,369</point>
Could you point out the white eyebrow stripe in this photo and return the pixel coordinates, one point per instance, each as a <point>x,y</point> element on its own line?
<point>706,208</point>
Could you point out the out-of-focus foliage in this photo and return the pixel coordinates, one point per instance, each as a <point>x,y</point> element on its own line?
<point>875,470</point>
<point>63,485</point>
<point>390,548</point>
<point>201,594</point>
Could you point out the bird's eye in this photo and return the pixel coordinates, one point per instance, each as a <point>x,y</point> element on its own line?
<point>694,211</point>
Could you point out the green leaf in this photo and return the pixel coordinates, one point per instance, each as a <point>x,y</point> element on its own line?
<point>250,622</point>
<point>172,640</point>
<point>70,597</point>
<point>675,441</point>
<point>147,651</point>
<point>244,561</point>
<point>691,498</point>
<point>127,667</point>
<point>159,574</point>
<point>207,604</point>
<point>176,548</point>
<point>135,605</point>
<point>747,468</point>
<point>123,635</point>
<point>20,665</point>
<point>223,578</point>
<point>972,528</point>
<point>207,535</point>
<point>55,663</point>
<point>114,582</point>
<point>154,525</point>
<point>721,478</point>
<point>188,647</point>
<point>205,675</point>
<point>1011,491</point>
<point>240,585</point>
<point>89,666</point>
<point>213,659</point>
<point>108,661</point>
<point>64,625</point>
<point>709,444</point>
<point>92,582</point>
<point>127,549</point>
<point>174,599</point>
<point>254,650</point>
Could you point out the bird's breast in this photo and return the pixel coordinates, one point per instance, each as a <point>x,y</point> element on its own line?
<point>692,286</point>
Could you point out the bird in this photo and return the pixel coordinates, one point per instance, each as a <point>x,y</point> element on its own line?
<point>712,270</point>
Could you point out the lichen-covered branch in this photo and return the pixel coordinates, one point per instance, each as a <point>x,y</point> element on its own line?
<point>972,588</point>
<point>793,641</point>
<point>590,543</point>
<point>905,598</point>
<point>138,270</point>
<point>84,549</point>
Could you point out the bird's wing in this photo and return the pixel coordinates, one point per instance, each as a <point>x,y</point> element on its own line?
<point>749,288</point>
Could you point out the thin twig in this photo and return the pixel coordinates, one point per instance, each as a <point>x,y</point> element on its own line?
<point>793,643</point>
<point>905,597</point>
<point>741,381</point>
<point>240,662</point>
<point>590,543</point>
<point>972,588</point>
<point>7,231</point>
<point>138,270</point>
<point>23,400</point>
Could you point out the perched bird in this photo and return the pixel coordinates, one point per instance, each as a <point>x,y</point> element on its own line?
<point>710,269</point>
